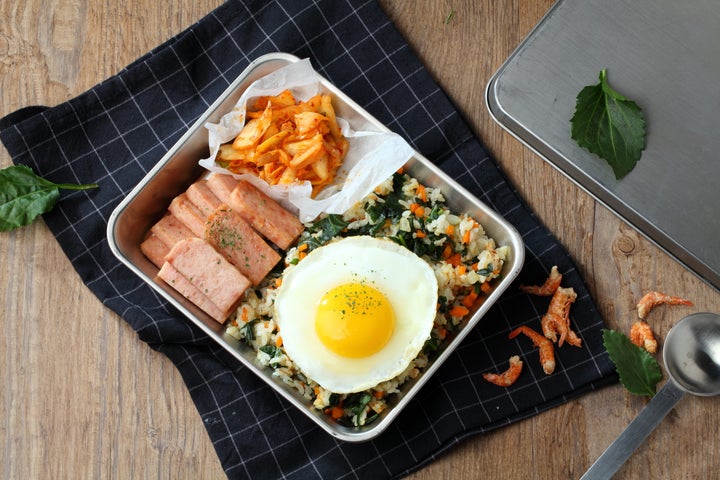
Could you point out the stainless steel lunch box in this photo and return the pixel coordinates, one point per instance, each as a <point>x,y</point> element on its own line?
<point>147,202</point>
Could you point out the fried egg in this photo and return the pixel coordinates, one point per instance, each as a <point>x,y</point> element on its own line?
<point>354,313</point>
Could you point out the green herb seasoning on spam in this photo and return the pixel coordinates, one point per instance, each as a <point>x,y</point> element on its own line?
<point>240,244</point>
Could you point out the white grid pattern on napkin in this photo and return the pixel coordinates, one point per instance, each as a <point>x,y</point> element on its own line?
<point>117,131</point>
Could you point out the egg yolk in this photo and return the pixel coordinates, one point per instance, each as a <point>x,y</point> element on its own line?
<point>354,320</point>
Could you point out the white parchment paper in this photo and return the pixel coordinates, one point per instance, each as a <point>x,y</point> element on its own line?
<point>372,157</point>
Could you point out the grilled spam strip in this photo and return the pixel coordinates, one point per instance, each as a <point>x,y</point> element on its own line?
<point>221,185</point>
<point>265,215</point>
<point>176,280</point>
<point>154,249</point>
<point>209,272</point>
<point>240,244</point>
<point>186,211</point>
<point>170,230</point>
<point>204,199</point>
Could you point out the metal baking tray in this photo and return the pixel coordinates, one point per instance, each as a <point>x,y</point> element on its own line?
<point>147,202</point>
<point>665,55</point>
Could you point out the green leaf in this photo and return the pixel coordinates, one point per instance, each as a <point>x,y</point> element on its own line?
<point>609,125</point>
<point>248,330</point>
<point>24,195</point>
<point>271,350</point>
<point>325,229</point>
<point>356,403</point>
<point>639,371</point>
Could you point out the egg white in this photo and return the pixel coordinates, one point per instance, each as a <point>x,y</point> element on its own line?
<point>406,280</point>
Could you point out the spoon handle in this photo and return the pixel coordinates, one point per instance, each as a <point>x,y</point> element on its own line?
<point>624,445</point>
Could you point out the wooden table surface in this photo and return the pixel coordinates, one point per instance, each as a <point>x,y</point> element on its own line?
<point>82,397</point>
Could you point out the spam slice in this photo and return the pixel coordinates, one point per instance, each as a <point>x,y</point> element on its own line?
<point>175,279</point>
<point>265,215</point>
<point>240,244</point>
<point>209,272</point>
<point>154,249</point>
<point>170,230</point>
<point>186,211</point>
<point>204,199</point>
<point>221,185</point>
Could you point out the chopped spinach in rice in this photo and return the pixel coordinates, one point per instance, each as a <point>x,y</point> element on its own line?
<point>463,258</point>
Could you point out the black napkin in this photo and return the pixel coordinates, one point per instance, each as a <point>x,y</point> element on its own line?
<point>114,133</point>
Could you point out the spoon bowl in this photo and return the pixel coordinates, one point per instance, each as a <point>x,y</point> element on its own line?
<point>692,360</point>
<point>692,354</point>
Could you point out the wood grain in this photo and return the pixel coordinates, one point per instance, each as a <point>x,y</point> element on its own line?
<point>82,397</point>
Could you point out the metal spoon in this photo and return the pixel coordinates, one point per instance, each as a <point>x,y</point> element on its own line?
<point>692,359</point>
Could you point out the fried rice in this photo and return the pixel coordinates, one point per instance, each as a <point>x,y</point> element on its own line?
<point>465,261</point>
